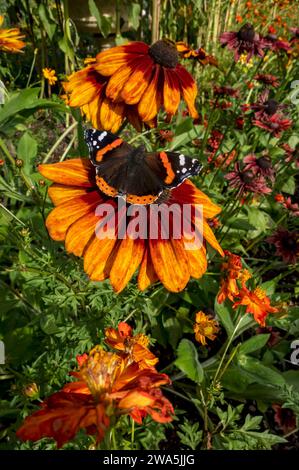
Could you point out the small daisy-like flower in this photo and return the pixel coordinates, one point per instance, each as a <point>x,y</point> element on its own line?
<point>76,195</point>
<point>205,327</point>
<point>197,54</point>
<point>275,123</point>
<point>105,387</point>
<point>292,154</point>
<point>286,244</point>
<point>259,166</point>
<point>257,303</point>
<point>10,39</point>
<point>50,75</point>
<point>288,204</point>
<point>267,79</point>
<point>135,348</point>
<point>245,41</point>
<point>246,182</point>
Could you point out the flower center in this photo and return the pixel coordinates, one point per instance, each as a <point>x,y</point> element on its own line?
<point>264,162</point>
<point>271,107</point>
<point>247,177</point>
<point>246,33</point>
<point>164,53</point>
<point>260,293</point>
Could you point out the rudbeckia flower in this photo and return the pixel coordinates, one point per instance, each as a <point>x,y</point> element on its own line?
<point>87,89</point>
<point>286,244</point>
<point>205,327</point>
<point>246,181</point>
<point>76,197</point>
<point>197,54</point>
<point>275,123</point>
<point>134,347</point>
<point>259,166</point>
<point>141,76</point>
<point>10,39</point>
<point>257,303</point>
<point>267,79</point>
<point>105,388</point>
<point>245,41</point>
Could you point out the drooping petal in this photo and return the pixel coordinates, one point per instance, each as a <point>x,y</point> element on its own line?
<point>108,62</point>
<point>64,215</point>
<point>111,115</point>
<point>119,79</point>
<point>171,92</point>
<point>197,262</point>
<point>138,81</point>
<point>98,258</point>
<point>210,237</point>
<point>151,100</point>
<point>147,274</point>
<point>170,263</point>
<point>128,258</point>
<point>189,89</point>
<point>73,172</point>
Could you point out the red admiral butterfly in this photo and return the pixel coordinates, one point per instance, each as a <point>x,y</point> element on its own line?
<point>123,170</point>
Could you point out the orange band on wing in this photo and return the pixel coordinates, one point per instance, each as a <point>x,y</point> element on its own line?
<point>104,150</point>
<point>105,188</point>
<point>170,174</point>
<point>133,199</point>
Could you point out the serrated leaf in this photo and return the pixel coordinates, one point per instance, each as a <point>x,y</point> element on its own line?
<point>187,361</point>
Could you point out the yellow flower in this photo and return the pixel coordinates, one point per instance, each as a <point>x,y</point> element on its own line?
<point>205,327</point>
<point>243,61</point>
<point>10,39</point>
<point>49,75</point>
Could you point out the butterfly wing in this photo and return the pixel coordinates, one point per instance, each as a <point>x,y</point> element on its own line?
<point>102,144</point>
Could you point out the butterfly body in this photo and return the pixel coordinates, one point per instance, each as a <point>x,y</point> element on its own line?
<point>140,176</point>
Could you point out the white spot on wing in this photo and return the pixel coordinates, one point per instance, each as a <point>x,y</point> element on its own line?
<point>182,159</point>
<point>102,136</point>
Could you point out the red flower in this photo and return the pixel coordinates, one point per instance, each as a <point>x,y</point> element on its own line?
<point>275,124</point>
<point>226,90</point>
<point>265,106</point>
<point>259,166</point>
<point>267,79</point>
<point>286,244</point>
<point>246,181</point>
<point>277,44</point>
<point>246,40</point>
<point>292,154</point>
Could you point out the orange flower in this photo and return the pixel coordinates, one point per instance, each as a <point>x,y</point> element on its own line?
<point>135,74</point>
<point>76,195</point>
<point>50,75</point>
<point>228,287</point>
<point>134,347</point>
<point>106,387</point>
<point>257,303</point>
<point>199,54</point>
<point>10,39</point>
<point>205,327</point>
<point>87,89</point>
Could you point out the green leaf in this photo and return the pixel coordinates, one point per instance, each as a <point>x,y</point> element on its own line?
<point>289,186</point>
<point>225,317</point>
<point>103,23</point>
<point>134,10</point>
<point>188,362</point>
<point>48,24</point>
<point>27,151</point>
<point>261,373</point>
<point>254,344</point>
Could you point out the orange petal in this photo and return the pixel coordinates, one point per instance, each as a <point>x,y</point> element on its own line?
<point>189,89</point>
<point>138,82</point>
<point>127,260</point>
<point>135,398</point>
<point>59,193</point>
<point>197,261</point>
<point>111,115</point>
<point>170,263</point>
<point>64,215</point>
<point>74,172</point>
<point>119,79</point>
<point>171,92</point>
<point>108,62</point>
<point>98,258</point>
<point>80,232</point>
<point>151,100</point>
<point>210,237</point>
<point>147,274</point>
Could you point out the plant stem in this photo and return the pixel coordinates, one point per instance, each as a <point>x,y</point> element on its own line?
<point>58,142</point>
<point>156,8</point>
